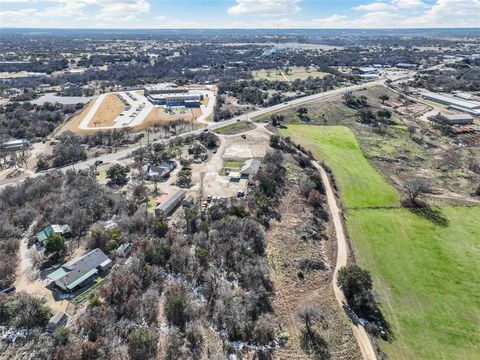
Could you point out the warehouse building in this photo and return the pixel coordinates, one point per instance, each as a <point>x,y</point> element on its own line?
<point>457,119</point>
<point>470,107</point>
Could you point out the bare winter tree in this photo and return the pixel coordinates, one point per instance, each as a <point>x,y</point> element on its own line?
<point>415,187</point>
<point>309,314</point>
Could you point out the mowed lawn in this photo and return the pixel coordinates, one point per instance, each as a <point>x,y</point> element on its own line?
<point>427,278</point>
<point>359,183</point>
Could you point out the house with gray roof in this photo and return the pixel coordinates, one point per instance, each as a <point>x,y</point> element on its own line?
<point>81,271</point>
<point>161,171</point>
<point>250,167</point>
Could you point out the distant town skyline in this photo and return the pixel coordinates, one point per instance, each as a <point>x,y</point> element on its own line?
<point>239,13</point>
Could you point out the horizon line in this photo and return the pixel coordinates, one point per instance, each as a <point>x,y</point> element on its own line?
<point>237,28</point>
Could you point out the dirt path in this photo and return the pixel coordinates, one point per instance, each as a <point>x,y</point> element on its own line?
<point>366,347</point>
<point>26,277</point>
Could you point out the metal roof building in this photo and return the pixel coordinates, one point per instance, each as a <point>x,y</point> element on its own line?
<point>79,271</point>
<point>169,203</point>
<point>471,107</point>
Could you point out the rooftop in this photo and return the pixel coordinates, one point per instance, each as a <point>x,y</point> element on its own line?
<point>453,100</point>
<point>77,270</point>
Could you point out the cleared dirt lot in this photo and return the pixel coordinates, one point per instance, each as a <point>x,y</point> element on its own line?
<point>158,116</point>
<point>111,107</point>
<point>206,177</point>
<point>255,145</point>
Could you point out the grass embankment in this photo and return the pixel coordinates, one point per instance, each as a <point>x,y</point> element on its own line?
<point>425,269</point>
<point>360,184</point>
<point>235,128</point>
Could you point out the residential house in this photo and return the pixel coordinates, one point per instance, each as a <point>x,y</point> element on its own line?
<point>250,168</point>
<point>80,272</point>
<point>43,235</point>
<point>160,172</point>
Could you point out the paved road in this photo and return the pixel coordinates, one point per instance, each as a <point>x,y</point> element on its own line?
<point>108,158</point>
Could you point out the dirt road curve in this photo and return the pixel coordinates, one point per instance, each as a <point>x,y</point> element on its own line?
<point>366,347</point>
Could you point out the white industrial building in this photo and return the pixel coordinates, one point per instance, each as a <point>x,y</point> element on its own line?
<point>470,107</point>
<point>169,94</point>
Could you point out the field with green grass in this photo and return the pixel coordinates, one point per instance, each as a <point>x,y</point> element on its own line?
<point>359,183</point>
<point>425,265</point>
<point>231,165</point>
<point>427,276</point>
<point>294,73</point>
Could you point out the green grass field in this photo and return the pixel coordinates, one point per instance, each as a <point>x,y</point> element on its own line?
<point>295,73</point>
<point>427,277</point>
<point>360,184</point>
<point>426,273</point>
<point>231,165</point>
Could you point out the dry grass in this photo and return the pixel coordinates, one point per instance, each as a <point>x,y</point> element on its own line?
<point>285,249</point>
<point>108,111</point>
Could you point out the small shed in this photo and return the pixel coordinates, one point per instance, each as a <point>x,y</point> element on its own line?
<point>124,250</point>
<point>60,319</point>
<point>188,201</point>
<point>234,176</point>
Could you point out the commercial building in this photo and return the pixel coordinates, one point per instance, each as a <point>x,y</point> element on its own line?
<point>366,72</point>
<point>169,94</point>
<point>80,272</point>
<point>406,66</point>
<point>168,202</point>
<point>470,107</point>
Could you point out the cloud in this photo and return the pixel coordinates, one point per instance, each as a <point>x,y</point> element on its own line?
<point>123,10</point>
<point>103,12</point>
<point>377,6</point>
<point>408,4</point>
<point>265,7</point>
<point>138,14</point>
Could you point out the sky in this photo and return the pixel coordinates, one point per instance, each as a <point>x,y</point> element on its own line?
<point>242,14</point>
